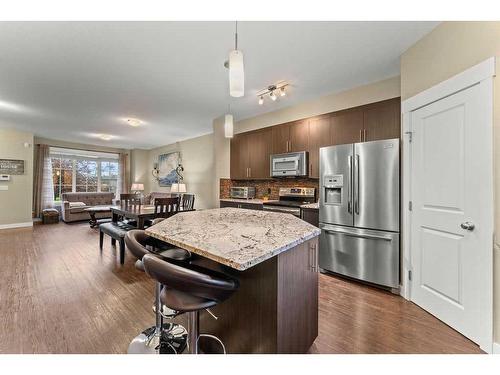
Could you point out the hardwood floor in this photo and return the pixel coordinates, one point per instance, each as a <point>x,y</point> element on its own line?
<point>60,294</point>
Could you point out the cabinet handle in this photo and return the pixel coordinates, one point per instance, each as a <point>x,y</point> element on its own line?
<point>361,135</point>
<point>249,171</point>
<point>364,135</point>
<point>310,170</point>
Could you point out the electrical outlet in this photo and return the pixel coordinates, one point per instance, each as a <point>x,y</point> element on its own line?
<point>4,187</point>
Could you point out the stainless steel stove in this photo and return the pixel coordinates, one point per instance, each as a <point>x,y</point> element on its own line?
<point>290,200</point>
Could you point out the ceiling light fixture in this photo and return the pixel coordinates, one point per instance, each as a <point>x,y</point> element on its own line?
<point>236,70</point>
<point>105,137</point>
<point>272,91</point>
<point>228,124</point>
<point>134,122</point>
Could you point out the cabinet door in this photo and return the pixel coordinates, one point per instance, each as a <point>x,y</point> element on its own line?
<point>319,136</point>
<point>299,136</point>
<point>346,127</point>
<point>280,136</point>
<point>259,151</point>
<point>382,120</point>
<point>239,157</point>
<point>223,204</point>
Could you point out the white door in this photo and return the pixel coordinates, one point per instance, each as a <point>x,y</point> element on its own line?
<point>451,176</point>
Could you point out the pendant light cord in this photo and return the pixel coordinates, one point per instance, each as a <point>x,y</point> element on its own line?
<point>236,37</point>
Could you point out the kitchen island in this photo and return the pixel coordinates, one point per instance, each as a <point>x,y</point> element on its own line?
<point>274,257</point>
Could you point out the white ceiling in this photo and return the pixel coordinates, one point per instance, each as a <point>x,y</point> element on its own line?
<point>73,80</point>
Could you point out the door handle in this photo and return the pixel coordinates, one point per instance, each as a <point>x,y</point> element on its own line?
<point>352,234</point>
<point>356,184</point>
<point>468,226</point>
<point>349,187</point>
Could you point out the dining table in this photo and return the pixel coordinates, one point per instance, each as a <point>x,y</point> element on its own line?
<point>138,212</point>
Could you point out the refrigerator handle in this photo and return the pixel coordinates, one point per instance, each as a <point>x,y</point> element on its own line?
<point>356,185</point>
<point>349,187</point>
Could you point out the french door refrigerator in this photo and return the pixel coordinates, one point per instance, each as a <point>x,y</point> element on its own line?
<point>359,211</point>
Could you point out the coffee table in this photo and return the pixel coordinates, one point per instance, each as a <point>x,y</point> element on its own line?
<point>94,222</point>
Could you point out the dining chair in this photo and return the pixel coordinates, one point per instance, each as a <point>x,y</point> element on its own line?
<point>187,202</point>
<point>166,207</point>
<point>130,199</point>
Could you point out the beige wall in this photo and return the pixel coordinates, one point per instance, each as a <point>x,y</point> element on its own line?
<point>449,49</point>
<point>198,160</point>
<point>16,203</point>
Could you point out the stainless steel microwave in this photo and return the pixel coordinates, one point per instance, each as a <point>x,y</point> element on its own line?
<point>290,164</point>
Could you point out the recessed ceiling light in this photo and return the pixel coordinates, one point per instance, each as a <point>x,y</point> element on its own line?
<point>105,137</point>
<point>134,122</point>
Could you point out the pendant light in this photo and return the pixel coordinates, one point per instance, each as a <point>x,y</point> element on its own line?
<point>236,70</point>
<point>228,124</point>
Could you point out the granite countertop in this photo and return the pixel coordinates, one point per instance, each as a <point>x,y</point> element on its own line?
<point>314,206</point>
<point>242,200</point>
<point>236,238</point>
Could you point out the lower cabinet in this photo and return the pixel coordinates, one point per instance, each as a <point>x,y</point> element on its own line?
<point>248,206</point>
<point>311,215</point>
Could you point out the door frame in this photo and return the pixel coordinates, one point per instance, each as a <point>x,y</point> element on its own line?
<point>481,74</point>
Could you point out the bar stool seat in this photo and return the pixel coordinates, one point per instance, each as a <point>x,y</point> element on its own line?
<point>160,338</point>
<point>188,289</point>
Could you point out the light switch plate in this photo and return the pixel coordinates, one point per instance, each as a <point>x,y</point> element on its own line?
<point>4,187</point>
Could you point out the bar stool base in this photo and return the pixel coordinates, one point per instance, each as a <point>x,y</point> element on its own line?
<point>173,340</point>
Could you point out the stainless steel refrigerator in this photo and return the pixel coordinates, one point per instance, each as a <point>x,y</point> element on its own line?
<point>359,211</point>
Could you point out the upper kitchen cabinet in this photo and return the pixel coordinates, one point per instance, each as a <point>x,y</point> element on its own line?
<point>239,157</point>
<point>299,136</point>
<point>319,136</point>
<point>290,137</point>
<point>346,127</point>
<point>259,150</point>
<point>250,154</point>
<point>382,120</point>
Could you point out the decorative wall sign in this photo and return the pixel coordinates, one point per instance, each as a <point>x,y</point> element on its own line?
<point>9,166</point>
<point>167,165</point>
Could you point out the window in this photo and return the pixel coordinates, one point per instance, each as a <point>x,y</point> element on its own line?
<point>83,171</point>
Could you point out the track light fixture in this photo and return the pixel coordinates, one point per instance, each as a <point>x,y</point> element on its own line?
<point>272,91</point>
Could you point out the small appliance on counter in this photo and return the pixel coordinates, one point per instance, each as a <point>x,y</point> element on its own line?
<point>242,192</point>
<point>292,164</point>
<point>359,211</point>
<point>290,200</point>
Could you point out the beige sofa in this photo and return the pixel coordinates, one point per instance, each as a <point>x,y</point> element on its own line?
<point>73,211</point>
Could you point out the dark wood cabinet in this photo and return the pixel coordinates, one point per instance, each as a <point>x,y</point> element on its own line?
<point>250,151</point>
<point>311,215</point>
<point>382,120</point>
<point>346,127</point>
<point>250,154</point>
<point>319,136</point>
<point>249,206</point>
<point>259,149</point>
<point>299,136</point>
<point>290,137</point>
<point>280,138</point>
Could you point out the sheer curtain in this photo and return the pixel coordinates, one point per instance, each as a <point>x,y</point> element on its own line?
<point>44,186</point>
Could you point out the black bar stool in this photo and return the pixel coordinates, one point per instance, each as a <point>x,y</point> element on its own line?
<point>161,338</point>
<point>189,289</point>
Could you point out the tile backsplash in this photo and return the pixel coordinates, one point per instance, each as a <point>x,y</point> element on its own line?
<point>262,187</point>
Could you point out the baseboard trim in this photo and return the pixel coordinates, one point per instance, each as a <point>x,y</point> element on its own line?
<point>496,348</point>
<point>16,225</point>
